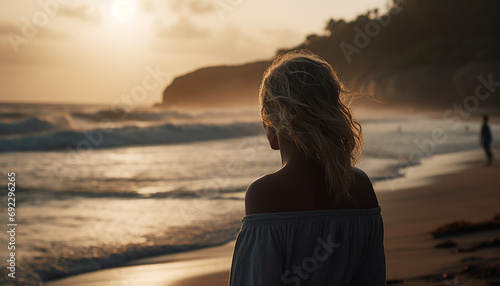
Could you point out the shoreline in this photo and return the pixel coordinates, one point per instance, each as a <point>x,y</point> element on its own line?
<point>439,190</point>
<point>466,193</point>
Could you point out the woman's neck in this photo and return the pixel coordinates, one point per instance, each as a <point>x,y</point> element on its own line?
<point>291,155</point>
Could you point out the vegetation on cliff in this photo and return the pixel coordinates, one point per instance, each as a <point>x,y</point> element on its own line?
<point>413,33</point>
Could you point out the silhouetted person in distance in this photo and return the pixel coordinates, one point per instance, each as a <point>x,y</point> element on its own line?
<point>486,139</point>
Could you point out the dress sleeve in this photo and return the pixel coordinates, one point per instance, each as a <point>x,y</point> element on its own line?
<point>257,258</point>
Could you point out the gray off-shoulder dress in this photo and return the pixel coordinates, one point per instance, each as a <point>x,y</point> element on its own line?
<point>320,247</point>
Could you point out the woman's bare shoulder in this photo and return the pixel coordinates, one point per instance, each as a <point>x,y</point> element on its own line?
<point>362,190</point>
<point>262,194</point>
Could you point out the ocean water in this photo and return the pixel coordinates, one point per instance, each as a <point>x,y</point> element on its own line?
<point>96,187</point>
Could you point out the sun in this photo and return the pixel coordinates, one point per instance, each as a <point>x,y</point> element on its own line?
<point>124,11</point>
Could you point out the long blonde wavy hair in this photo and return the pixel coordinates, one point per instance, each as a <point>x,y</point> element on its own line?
<point>302,98</point>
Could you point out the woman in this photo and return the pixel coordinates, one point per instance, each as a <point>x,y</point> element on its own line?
<point>316,221</point>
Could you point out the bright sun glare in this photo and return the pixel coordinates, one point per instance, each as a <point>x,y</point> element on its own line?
<point>124,11</point>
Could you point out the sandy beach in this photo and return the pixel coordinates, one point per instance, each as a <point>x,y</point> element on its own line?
<point>443,189</point>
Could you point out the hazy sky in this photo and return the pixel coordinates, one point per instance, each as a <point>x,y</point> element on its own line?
<point>94,51</point>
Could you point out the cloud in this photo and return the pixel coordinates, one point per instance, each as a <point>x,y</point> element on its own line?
<point>227,45</point>
<point>6,28</point>
<point>192,6</point>
<point>82,13</point>
<point>41,53</point>
<point>282,37</point>
<point>183,29</point>
<point>29,31</point>
<point>286,33</point>
<point>148,6</point>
